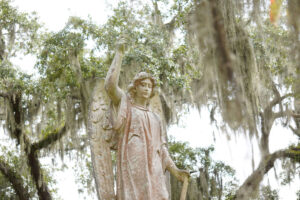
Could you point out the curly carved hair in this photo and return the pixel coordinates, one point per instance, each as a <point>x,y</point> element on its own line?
<point>137,79</point>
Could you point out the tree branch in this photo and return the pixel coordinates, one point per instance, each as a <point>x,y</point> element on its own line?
<point>37,175</point>
<point>36,170</point>
<point>285,113</point>
<point>34,163</point>
<point>279,99</point>
<point>49,139</point>
<point>15,179</point>
<point>251,185</point>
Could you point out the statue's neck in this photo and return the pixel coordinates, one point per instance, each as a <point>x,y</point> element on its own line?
<point>141,102</point>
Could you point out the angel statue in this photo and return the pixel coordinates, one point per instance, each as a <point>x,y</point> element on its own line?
<point>142,154</point>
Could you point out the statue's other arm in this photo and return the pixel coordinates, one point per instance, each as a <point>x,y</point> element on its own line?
<point>168,163</point>
<point>112,77</point>
<point>171,167</point>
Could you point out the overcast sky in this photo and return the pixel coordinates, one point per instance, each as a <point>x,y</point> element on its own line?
<point>235,150</point>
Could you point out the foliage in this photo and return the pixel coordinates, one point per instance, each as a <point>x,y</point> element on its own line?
<point>214,179</point>
<point>298,194</point>
<point>19,31</point>
<point>13,158</point>
<point>183,155</point>
<point>221,53</point>
<point>266,193</point>
<point>291,171</point>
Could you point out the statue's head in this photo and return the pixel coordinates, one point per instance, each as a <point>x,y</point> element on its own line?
<point>142,85</point>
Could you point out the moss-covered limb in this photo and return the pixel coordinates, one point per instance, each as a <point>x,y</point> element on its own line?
<point>49,139</point>
<point>281,114</point>
<point>15,119</point>
<point>251,184</point>
<point>37,175</point>
<point>33,162</point>
<point>267,119</point>
<point>36,170</point>
<point>279,99</point>
<point>15,179</point>
<point>293,153</point>
<point>16,123</point>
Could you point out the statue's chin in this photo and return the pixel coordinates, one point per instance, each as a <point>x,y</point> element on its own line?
<point>144,97</point>
<point>142,100</point>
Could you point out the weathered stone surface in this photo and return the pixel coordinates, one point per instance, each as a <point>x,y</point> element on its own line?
<point>142,157</point>
<point>100,148</point>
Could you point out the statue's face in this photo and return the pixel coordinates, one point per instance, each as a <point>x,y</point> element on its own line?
<point>144,89</point>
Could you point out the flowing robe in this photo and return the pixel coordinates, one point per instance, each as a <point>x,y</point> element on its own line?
<point>142,154</point>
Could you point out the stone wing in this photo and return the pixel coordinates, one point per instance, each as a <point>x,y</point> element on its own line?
<point>100,133</point>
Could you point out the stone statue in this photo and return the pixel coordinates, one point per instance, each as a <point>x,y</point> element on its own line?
<point>142,157</point>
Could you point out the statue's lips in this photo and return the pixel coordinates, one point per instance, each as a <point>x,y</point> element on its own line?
<point>146,94</point>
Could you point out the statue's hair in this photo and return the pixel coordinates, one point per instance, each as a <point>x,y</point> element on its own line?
<point>137,79</point>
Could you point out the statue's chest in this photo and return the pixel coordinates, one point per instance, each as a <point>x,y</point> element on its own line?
<point>144,123</point>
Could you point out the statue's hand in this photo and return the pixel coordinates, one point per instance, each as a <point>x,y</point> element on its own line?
<point>181,174</point>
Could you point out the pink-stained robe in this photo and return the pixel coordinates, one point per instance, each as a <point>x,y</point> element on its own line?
<point>142,155</point>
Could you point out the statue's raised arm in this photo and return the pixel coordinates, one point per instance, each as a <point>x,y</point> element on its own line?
<point>112,77</point>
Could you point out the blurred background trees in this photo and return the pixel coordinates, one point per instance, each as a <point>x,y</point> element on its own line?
<point>239,59</point>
